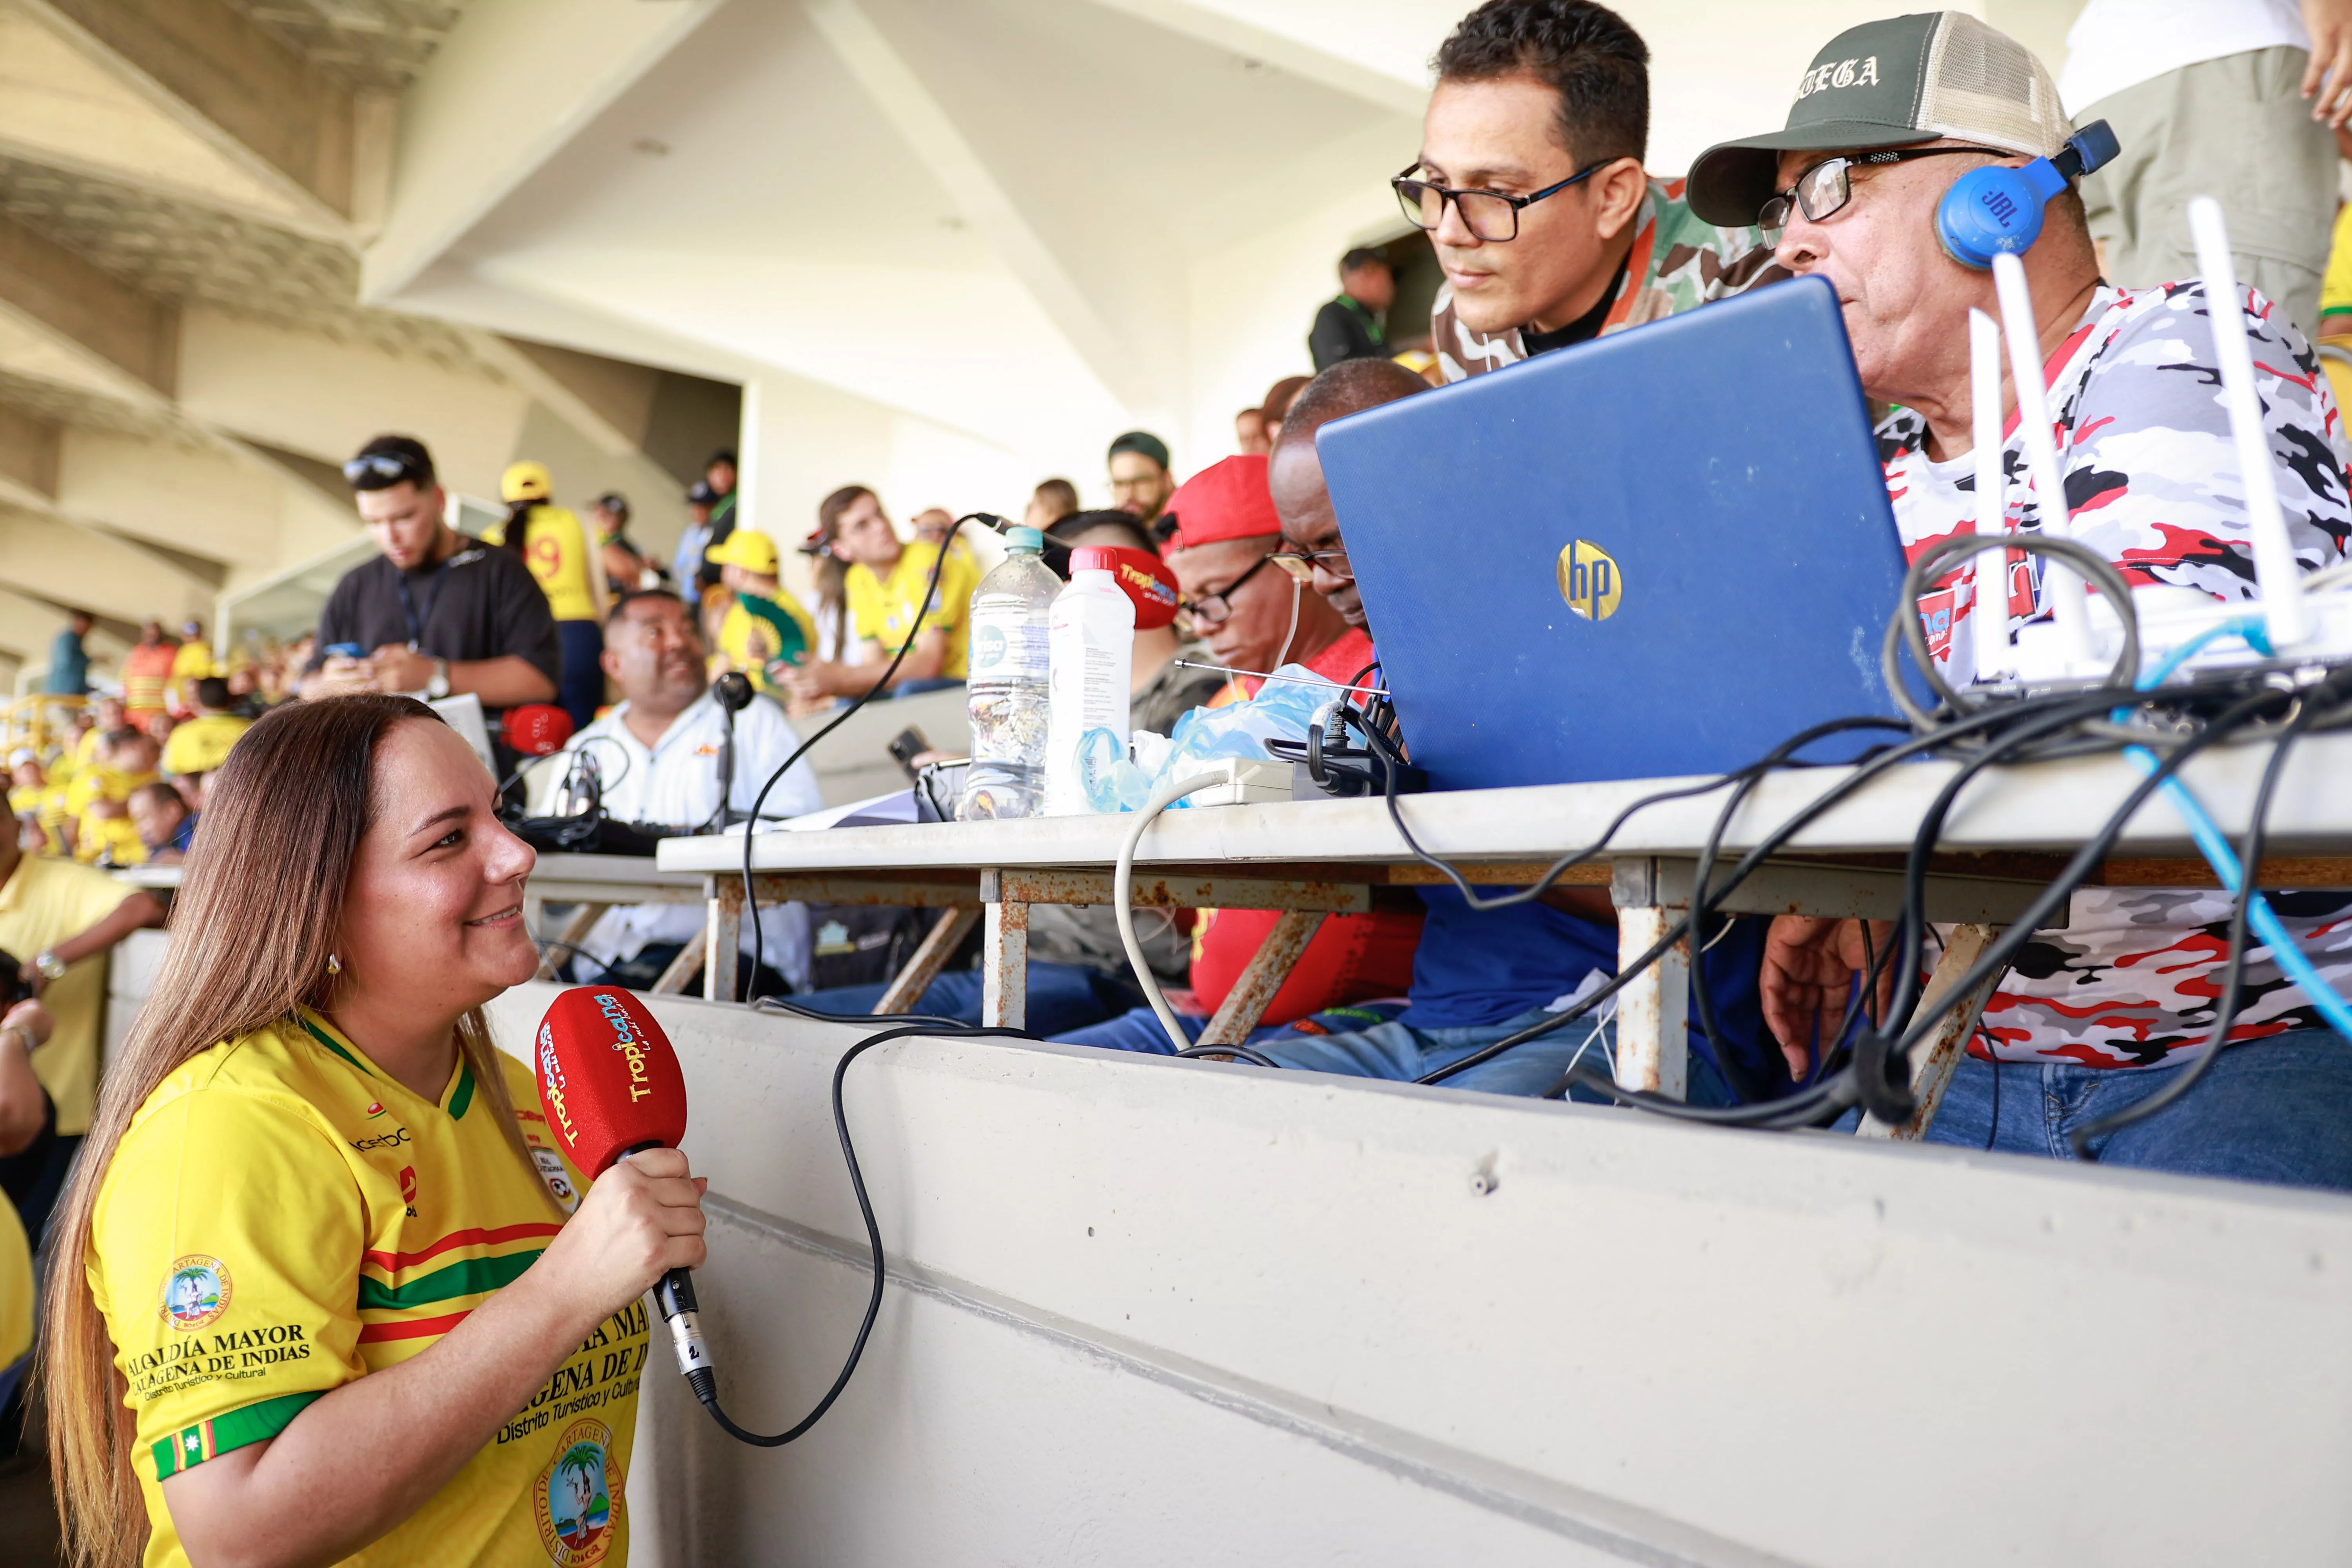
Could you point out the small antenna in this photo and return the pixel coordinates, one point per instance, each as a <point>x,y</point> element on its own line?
<point>2276,576</point>
<point>1991,607</point>
<point>2069,595</point>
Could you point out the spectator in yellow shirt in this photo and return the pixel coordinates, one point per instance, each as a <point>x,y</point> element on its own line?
<point>766,632</point>
<point>111,716</point>
<point>27,785</point>
<point>193,662</point>
<point>890,590</point>
<point>100,799</point>
<point>198,747</point>
<point>554,546</point>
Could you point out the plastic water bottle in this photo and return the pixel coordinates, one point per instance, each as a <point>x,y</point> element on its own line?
<point>1092,640</point>
<point>1006,673</point>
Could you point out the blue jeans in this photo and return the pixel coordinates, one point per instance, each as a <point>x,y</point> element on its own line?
<point>582,689</point>
<point>1062,997</point>
<point>1390,1051</point>
<point>2276,1110</point>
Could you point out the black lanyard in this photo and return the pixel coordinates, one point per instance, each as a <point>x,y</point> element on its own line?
<point>408,606</point>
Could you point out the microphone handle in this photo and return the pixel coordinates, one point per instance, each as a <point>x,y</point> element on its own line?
<point>674,1294</point>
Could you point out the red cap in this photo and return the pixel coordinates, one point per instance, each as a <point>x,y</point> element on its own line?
<point>1145,579</point>
<point>1094,558</point>
<point>608,1079</point>
<point>1226,501</point>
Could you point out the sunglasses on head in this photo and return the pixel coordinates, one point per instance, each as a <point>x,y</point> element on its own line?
<point>382,470</point>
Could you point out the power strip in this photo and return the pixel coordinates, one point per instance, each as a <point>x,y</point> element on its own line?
<point>1248,782</point>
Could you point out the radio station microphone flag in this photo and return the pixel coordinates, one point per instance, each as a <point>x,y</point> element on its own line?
<point>610,1086</point>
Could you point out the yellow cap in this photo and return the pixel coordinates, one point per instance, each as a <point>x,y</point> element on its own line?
<point>526,481</point>
<point>752,552</point>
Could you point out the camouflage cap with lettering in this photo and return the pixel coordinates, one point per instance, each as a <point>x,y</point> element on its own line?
<point>1907,79</point>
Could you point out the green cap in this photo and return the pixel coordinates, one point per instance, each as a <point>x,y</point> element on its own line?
<point>1893,83</point>
<point>1020,541</point>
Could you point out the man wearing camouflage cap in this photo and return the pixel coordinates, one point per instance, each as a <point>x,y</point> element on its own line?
<point>2112,1010</point>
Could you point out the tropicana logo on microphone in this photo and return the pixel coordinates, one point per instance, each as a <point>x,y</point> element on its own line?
<point>628,1043</point>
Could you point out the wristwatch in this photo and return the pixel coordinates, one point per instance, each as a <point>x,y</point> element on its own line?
<point>49,965</point>
<point>438,687</point>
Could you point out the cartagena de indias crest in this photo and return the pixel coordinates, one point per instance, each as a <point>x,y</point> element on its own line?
<point>195,1291</point>
<point>578,1496</point>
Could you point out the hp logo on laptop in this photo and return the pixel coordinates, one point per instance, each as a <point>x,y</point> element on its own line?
<point>1589,581</point>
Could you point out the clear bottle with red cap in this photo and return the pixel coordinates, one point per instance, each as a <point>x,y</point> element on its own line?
<point>1006,682</point>
<point>1091,642</point>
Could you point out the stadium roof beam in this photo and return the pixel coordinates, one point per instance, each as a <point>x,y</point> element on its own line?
<point>94,317</point>
<point>28,458</point>
<point>222,78</point>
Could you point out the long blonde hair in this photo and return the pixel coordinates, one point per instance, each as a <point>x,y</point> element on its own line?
<point>251,931</point>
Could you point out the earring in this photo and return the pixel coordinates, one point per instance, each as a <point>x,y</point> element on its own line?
<point>334,964</point>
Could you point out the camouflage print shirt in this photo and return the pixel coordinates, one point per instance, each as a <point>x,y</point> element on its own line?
<point>2152,483</point>
<point>1678,263</point>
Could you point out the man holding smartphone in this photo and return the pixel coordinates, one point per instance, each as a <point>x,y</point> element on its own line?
<point>436,613</point>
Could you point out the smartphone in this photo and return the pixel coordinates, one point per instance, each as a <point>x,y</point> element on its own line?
<point>908,745</point>
<point>345,650</point>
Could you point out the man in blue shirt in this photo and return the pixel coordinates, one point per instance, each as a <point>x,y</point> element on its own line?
<point>68,660</point>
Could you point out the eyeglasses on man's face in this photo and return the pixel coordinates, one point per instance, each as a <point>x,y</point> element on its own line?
<point>1212,609</point>
<point>1825,188</point>
<point>1490,215</point>
<point>1302,563</point>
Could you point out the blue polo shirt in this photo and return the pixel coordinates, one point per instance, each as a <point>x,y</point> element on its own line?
<point>1480,968</point>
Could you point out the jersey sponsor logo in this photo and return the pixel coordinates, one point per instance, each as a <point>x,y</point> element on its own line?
<point>577,1497</point>
<point>197,1292</point>
<point>1589,579</point>
<point>390,1140</point>
<point>559,1180</point>
<point>374,1109</point>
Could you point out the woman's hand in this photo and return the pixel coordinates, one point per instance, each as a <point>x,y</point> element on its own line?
<point>641,1220</point>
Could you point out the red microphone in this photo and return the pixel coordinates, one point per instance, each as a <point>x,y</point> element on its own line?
<point>610,1086</point>
<point>536,729</point>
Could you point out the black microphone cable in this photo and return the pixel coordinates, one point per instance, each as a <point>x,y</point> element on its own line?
<point>751,889</point>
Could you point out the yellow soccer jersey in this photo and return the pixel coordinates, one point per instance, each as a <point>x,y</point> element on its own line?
<point>555,548</point>
<point>96,834</point>
<point>283,1217</point>
<point>15,1289</point>
<point>202,743</point>
<point>46,901</point>
<point>882,609</point>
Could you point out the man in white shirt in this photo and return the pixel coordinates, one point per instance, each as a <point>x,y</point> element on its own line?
<point>658,753</point>
<point>2231,98</point>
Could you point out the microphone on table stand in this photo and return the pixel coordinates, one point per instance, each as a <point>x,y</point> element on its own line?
<point>733,691</point>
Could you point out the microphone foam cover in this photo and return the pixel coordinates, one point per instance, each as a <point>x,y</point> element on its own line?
<point>608,1079</point>
<point>1145,579</point>
<point>537,728</point>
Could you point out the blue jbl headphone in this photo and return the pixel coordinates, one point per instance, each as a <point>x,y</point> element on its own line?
<point>1999,208</point>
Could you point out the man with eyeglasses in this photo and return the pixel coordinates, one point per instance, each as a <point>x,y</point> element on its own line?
<point>1140,481</point>
<point>2122,1005</point>
<point>1531,186</point>
<point>1238,595</point>
<point>435,613</point>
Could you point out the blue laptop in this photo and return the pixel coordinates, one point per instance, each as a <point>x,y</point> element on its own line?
<point>1663,552</point>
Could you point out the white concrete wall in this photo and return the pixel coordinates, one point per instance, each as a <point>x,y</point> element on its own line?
<point>1145,1311</point>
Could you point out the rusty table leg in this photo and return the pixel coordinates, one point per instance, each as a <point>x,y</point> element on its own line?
<point>1653,1031</point>
<point>923,966</point>
<point>1246,1002</point>
<point>684,967</point>
<point>1004,965</point>
<point>1939,1057</point>
<point>550,963</point>
<point>723,939</point>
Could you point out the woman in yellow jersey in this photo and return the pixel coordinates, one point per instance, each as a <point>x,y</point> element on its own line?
<point>314,1296</point>
<point>890,590</point>
<point>554,546</point>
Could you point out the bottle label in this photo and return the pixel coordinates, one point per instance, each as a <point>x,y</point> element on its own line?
<point>1008,640</point>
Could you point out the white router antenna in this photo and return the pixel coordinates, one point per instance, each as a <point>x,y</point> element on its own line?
<point>2069,596</point>
<point>2276,576</point>
<point>1991,609</point>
